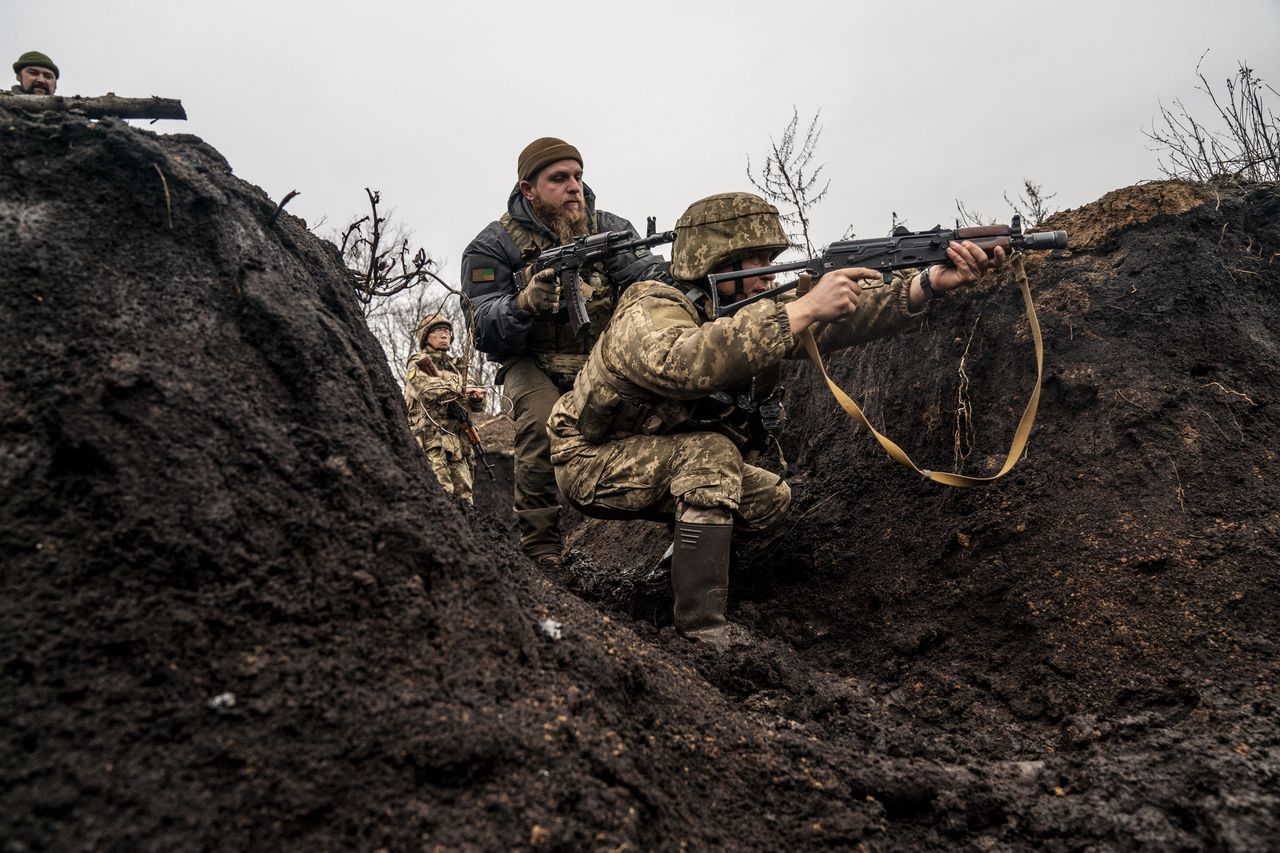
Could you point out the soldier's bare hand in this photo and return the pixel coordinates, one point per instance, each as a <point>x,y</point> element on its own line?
<point>475,392</point>
<point>968,264</point>
<point>541,295</point>
<point>834,296</point>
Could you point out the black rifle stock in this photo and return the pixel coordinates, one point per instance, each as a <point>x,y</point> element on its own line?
<point>568,261</point>
<point>902,249</point>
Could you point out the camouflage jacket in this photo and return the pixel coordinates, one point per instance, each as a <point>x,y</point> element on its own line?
<point>503,249</point>
<point>659,359</point>
<point>428,398</point>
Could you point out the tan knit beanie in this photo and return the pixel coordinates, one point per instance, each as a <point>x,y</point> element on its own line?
<point>541,153</point>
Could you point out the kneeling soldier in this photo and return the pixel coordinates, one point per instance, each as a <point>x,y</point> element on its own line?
<point>644,432</point>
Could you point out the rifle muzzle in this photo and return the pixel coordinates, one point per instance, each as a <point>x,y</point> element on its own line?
<point>1045,240</point>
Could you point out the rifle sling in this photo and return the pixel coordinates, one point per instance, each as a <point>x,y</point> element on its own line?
<point>1019,437</point>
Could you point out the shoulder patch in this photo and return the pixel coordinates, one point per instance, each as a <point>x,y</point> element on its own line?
<point>480,274</point>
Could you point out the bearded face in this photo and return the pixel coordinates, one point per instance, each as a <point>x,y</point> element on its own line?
<point>566,220</point>
<point>556,195</point>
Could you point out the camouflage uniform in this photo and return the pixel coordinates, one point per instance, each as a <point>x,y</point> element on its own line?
<point>638,437</point>
<point>428,397</point>
<point>638,431</point>
<point>539,355</point>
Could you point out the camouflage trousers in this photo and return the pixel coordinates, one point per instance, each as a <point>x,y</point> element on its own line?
<point>456,475</point>
<point>453,466</point>
<point>645,476</point>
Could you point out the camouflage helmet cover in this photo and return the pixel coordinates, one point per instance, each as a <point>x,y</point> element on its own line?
<point>716,228</point>
<point>429,322</point>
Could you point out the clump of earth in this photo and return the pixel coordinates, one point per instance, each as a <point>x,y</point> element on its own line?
<point>240,613</point>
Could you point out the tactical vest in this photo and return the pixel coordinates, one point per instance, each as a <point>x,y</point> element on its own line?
<point>553,344</point>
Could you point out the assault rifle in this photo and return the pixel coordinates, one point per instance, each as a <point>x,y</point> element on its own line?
<point>463,417</point>
<point>902,249</point>
<point>569,259</point>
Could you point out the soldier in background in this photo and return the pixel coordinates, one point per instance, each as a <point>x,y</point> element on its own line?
<point>438,432</point>
<point>37,75</point>
<point>643,435</point>
<point>523,329</point>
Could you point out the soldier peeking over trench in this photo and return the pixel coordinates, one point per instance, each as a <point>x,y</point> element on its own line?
<point>36,73</point>
<point>435,391</point>
<point>633,439</point>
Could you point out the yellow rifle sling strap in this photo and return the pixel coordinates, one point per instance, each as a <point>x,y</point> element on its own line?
<point>1024,426</point>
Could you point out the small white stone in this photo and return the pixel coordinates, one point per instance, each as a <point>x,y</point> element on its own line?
<point>222,702</point>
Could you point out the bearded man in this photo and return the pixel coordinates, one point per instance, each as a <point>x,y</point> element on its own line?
<point>36,73</point>
<point>518,323</point>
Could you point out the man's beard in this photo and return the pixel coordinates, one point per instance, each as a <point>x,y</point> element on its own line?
<point>565,225</point>
<point>39,87</point>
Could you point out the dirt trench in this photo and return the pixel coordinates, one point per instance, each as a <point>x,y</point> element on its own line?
<point>240,614</point>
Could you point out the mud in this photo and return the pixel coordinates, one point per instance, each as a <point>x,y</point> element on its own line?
<point>240,614</point>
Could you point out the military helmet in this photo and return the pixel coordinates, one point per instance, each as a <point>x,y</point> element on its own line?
<point>716,228</point>
<point>429,322</point>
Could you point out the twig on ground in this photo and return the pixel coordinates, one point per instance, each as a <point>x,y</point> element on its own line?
<point>1131,403</point>
<point>279,207</point>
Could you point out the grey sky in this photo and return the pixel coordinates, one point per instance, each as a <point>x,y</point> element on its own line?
<point>431,103</point>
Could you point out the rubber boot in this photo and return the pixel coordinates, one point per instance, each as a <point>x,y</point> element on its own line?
<point>700,579</point>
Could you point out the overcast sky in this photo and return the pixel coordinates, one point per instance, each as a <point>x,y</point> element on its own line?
<point>431,103</point>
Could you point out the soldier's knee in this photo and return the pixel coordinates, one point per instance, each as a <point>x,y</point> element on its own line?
<point>708,473</point>
<point>720,451</point>
<point>766,509</point>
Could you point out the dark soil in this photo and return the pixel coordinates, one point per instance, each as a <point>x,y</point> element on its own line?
<point>239,613</point>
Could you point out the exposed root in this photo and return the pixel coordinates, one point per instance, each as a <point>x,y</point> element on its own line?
<point>168,203</point>
<point>1178,479</point>
<point>1224,389</point>
<point>965,437</point>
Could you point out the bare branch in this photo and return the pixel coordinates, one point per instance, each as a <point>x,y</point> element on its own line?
<point>379,273</point>
<point>398,286</point>
<point>1032,205</point>
<point>967,218</point>
<point>1249,147</point>
<point>786,180</point>
<point>102,106</point>
<point>279,207</point>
